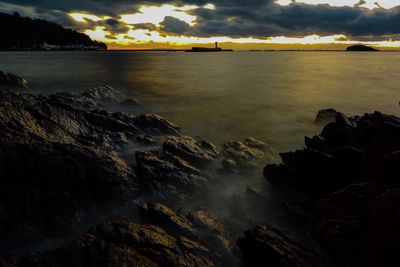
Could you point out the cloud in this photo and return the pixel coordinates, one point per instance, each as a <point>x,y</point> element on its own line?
<point>231,18</point>
<point>174,26</point>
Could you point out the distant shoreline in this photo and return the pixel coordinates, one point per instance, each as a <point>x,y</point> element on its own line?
<point>183,50</point>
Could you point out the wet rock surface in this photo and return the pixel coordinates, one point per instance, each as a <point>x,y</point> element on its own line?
<point>265,246</point>
<point>49,187</point>
<point>326,115</point>
<point>359,225</point>
<point>168,177</point>
<point>196,224</point>
<point>26,118</point>
<point>248,154</point>
<point>60,164</point>
<point>198,153</point>
<point>124,243</point>
<point>73,100</point>
<point>349,150</point>
<point>161,237</point>
<point>10,81</point>
<point>107,95</point>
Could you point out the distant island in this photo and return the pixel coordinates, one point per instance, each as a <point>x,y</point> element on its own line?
<point>361,48</point>
<point>23,33</point>
<point>208,49</point>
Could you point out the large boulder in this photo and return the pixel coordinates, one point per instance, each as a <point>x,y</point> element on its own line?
<point>168,177</point>
<point>178,170</point>
<point>348,150</point>
<point>384,231</point>
<point>315,172</point>
<point>198,153</point>
<point>163,216</point>
<point>265,246</point>
<point>342,223</point>
<point>248,154</point>
<point>47,188</point>
<point>359,226</point>
<point>26,118</point>
<point>326,115</point>
<point>196,224</point>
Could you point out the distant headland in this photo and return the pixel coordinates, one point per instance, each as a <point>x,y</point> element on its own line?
<point>23,33</point>
<point>361,48</point>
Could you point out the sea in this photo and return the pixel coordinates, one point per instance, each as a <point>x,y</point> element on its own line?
<point>271,96</point>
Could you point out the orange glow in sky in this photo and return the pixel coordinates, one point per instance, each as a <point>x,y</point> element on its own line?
<point>156,14</point>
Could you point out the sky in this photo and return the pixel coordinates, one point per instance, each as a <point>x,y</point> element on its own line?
<point>237,24</point>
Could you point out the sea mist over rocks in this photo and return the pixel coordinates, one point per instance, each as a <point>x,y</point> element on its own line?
<point>82,176</point>
<point>156,162</point>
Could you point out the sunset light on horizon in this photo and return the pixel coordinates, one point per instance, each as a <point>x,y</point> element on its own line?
<point>177,24</point>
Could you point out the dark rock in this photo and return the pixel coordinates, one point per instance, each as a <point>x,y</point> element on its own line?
<point>156,125</point>
<point>326,115</point>
<point>360,226</point>
<point>377,135</point>
<point>249,154</point>
<point>362,48</point>
<point>123,243</point>
<point>59,164</point>
<point>315,172</point>
<point>163,216</point>
<point>178,170</point>
<point>28,118</point>
<point>10,81</point>
<point>73,100</point>
<point>348,150</point>
<point>104,94</point>
<point>107,95</point>
<point>198,153</point>
<point>265,246</point>
<point>339,133</point>
<point>168,176</point>
<point>195,224</point>
<point>391,170</point>
<point>317,143</point>
<point>212,233</point>
<point>384,231</point>
<point>146,139</point>
<point>48,187</point>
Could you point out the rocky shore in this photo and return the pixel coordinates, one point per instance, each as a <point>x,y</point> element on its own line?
<point>83,186</point>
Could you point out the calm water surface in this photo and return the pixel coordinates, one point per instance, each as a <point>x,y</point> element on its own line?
<point>272,96</point>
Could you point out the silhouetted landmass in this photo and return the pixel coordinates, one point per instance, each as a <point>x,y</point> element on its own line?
<point>361,48</point>
<point>23,33</point>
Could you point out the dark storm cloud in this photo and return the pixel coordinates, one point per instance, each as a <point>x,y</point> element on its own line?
<point>174,26</point>
<point>146,26</point>
<point>235,18</point>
